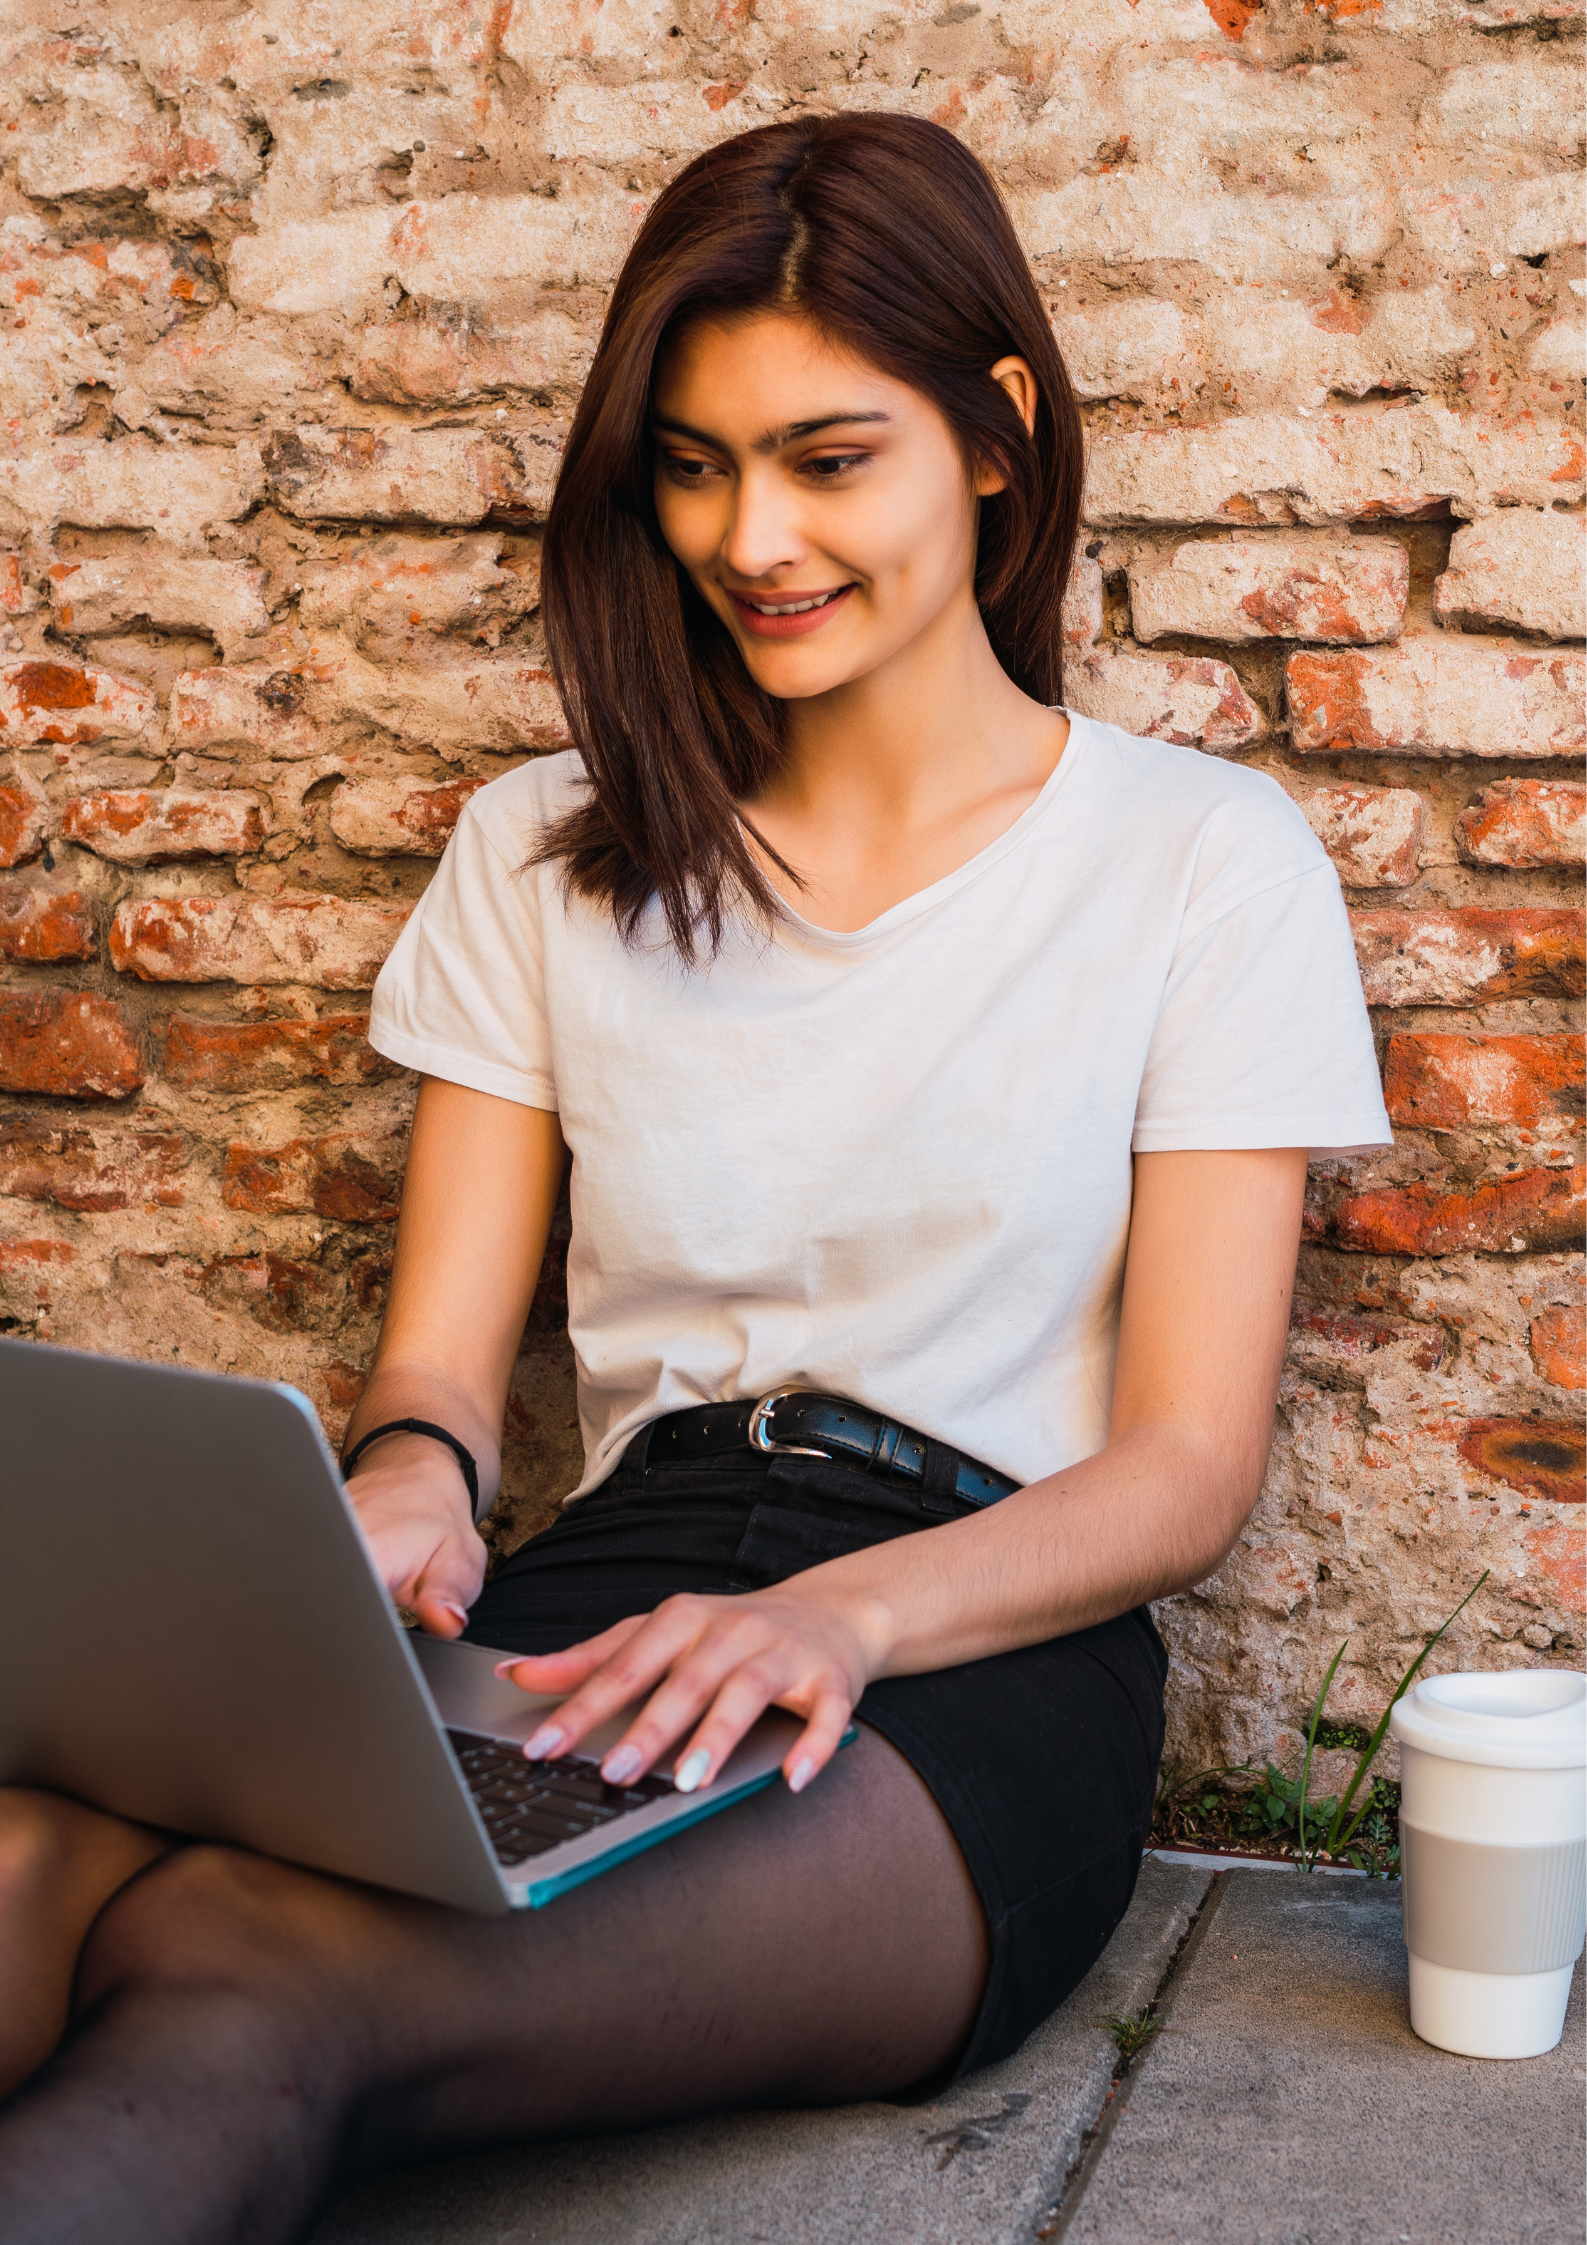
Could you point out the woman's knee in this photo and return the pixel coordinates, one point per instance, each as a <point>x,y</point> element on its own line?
<point>215,1917</point>
<point>35,1848</point>
<point>61,1859</point>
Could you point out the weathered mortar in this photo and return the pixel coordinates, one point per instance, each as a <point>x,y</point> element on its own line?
<point>294,305</point>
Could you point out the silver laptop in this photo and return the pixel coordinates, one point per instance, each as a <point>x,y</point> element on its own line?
<point>192,1634</point>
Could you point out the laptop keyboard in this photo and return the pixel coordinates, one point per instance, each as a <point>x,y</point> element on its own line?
<point>531,1806</point>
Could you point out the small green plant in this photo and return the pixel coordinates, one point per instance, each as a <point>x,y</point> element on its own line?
<point>1332,1817</point>
<point>1177,1791</point>
<point>1278,1802</point>
<point>1132,2034</point>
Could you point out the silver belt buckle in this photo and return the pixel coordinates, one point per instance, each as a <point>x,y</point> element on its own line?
<point>760,1437</point>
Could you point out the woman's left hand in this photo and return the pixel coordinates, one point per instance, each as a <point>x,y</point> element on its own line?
<point>799,1645</point>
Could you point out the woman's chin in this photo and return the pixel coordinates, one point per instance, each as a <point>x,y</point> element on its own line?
<point>794,674</point>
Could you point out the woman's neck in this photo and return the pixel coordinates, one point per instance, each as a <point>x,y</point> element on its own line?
<point>894,781</point>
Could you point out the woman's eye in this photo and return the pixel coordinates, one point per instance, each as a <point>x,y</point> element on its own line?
<point>829,467</point>
<point>684,470</point>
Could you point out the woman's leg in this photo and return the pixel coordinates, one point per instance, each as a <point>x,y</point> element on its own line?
<point>254,2037</point>
<point>59,1865</point>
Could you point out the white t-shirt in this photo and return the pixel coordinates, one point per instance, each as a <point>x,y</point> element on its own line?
<point>895,1164</point>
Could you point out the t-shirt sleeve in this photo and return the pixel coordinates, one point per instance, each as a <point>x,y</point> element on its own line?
<point>1262,1038</point>
<point>462,995</point>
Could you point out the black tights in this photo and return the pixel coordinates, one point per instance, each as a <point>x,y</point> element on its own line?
<point>250,2039</point>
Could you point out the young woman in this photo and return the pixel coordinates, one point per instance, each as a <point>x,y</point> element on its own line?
<point>937,1070</point>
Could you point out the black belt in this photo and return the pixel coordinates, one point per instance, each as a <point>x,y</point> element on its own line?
<point>799,1423</point>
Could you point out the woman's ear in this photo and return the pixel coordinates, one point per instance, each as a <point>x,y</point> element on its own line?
<point>1014,376</point>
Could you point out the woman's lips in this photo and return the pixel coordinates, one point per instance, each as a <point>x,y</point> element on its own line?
<point>794,626</point>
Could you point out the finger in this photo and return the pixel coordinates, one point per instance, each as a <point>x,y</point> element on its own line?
<point>700,1640</point>
<point>742,1700</point>
<point>630,1658</point>
<point>444,1588</point>
<point>438,1616</point>
<point>735,1681</point>
<point>571,1664</point>
<point>819,1741</point>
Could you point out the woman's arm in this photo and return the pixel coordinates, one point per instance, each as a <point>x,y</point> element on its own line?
<point>1207,1286</point>
<point>1210,1268</point>
<point>482,1181</point>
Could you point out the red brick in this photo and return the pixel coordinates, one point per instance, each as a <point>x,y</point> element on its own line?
<point>396,593</point>
<point>1277,586</point>
<point>1350,1338</point>
<point>156,826</point>
<point>348,1176</point>
<point>1554,1549</point>
<point>105,136</point>
<point>23,818</point>
<point>91,1171</point>
<point>42,925</point>
<point>416,819</point>
<point>1558,1342</point>
<point>14,596</point>
<point>287,712</point>
<point>1278,468</point>
<point>1454,958</point>
<point>452,249</point>
<point>338,1385</point>
<point>325,941</point>
<point>131,484</point>
<point>1544,1457</point>
<point>1525,823</point>
<point>489,701</point>
<point>172,591</point>
<point>370,1279</point>
<point>65,702</point>
<point>397,474</point>
<point>34,1254</point>
<point>272,1055</point>
<point>1371,833</point>
<point>29,1272</point>
<point>1438,697</point>
<point>1521,567</point>
<point>281,1295</point>
<point>1192,699</point>
<point>1457,1083</point>
<point>67,1044</point>
<point>1534,1209</point>
<point>429,361</point>
<point>1081,619</point>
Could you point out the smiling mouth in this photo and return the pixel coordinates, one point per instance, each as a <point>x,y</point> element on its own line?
<point>792,617</point>
<point>800,607</point>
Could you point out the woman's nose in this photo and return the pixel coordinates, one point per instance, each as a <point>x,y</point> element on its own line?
<point>763,531</point>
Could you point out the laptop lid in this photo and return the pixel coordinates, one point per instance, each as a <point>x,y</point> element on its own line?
<point>159,1526</point>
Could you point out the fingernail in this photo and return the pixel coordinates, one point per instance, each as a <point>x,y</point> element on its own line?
<point>693,1770</point>
<point>452,1607</point>
<point>801,1773</point>
<point>547,1741</point>
<point>505,1667</point>
<point>620,1765</point>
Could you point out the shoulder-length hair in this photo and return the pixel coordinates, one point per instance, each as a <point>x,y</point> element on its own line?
<point>891,237</point>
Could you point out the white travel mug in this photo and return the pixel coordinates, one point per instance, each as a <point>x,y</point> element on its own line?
<point>1493,1855</point>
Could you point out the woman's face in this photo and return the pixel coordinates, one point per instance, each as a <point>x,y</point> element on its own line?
<point>823,509</point>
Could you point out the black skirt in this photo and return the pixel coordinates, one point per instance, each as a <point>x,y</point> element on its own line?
<point>1043,1761</point>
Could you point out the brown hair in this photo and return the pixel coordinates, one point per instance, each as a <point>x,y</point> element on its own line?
<point>891,236</point>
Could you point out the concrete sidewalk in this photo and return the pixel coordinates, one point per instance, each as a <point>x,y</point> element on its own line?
<point>1284,2102</point>
<point>1287,2102</point>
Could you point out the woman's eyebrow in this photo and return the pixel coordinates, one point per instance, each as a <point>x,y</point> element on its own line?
<point>774,439</point>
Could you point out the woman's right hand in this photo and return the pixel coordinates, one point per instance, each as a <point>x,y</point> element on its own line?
<point>414,1510</point>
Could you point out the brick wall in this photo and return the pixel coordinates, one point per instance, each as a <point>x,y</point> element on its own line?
<point>294,304</point>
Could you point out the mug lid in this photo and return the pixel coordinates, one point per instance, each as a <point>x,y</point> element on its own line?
<point>1525,1718</point>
